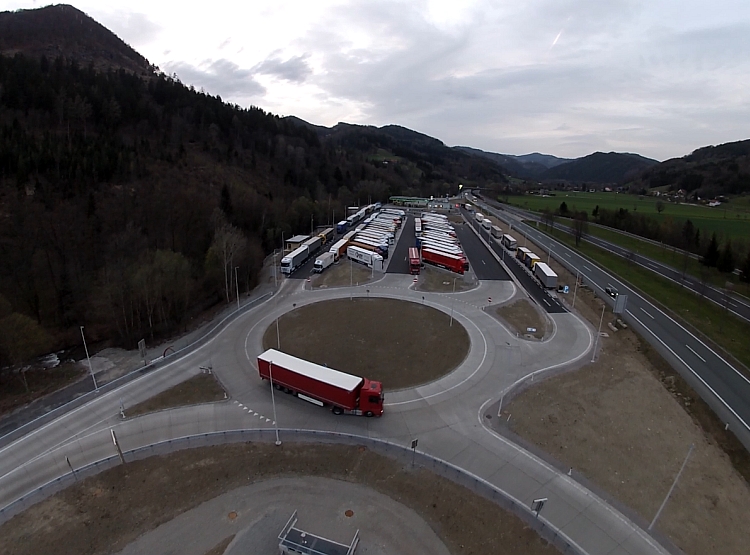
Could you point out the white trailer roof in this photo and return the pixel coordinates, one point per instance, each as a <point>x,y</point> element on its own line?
<point>311,370</point>
<point>546,270</point>
<point>340,243</point>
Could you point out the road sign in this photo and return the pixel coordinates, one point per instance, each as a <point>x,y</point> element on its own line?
<point>537,504</point>
<point>566,289</point>
<point>489,300</point>
<point>620,303</point>
<point>142,348</point>
<point>414,443</point>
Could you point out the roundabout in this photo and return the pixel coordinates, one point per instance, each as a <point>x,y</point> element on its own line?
<point>443,414</point>
<point>399,343</point>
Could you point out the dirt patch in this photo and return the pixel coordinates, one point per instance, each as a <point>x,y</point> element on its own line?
<point>342,274</point>
<point>220,547</point>
<point>399,343</point>
<point>104,513</point>
<point>435,280</point>
<point>626,423</point>
<point>520,315</point>
<point>202,388</point>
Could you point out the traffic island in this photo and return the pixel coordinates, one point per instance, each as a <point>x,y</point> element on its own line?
<point>399,343</point>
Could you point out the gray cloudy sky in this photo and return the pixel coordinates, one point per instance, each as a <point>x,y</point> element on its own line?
<point>658,77</point>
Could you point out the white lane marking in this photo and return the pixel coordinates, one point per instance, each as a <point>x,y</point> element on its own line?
<point>545,300</point>
<point>711,389</point>
<point>566,254</point>
<point>586,268</point>
<point>652,265</point>
<point>647,314</point>
<point>696,354</point>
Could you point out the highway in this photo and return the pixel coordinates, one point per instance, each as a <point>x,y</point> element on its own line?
<point>733,303</point>
<point>721,385</point>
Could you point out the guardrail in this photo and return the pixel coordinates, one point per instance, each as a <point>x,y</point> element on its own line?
<point>402,454</point>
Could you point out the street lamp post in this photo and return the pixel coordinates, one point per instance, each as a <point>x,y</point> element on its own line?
<point>275,284</point>
<point>91,370</point>
<point>453,300</point>
<point>273,401</point>
<point>575,290</point>
<point>351,280</point>
<point>237,287</point>
<point>596,343</point>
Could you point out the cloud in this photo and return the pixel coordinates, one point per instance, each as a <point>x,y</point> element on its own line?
<point>222,77</point>
<point>136,29</point>
<point>294,69</point>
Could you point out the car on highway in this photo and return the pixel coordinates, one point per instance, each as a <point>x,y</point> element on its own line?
<point>611,291</point>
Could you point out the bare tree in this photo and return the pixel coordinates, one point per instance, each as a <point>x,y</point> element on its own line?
<point>580,226</point>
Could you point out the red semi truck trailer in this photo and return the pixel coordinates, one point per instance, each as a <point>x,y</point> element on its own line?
<point>445,260</point>
<point>320,385</point>
<point>414,261</point>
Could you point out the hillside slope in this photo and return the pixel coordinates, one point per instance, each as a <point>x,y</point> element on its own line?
<point>600,167</point>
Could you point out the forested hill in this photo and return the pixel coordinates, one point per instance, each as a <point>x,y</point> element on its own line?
<point>127,199</point>
<point>600,167</point>
<point>64,31</point>
<point>707,172</point>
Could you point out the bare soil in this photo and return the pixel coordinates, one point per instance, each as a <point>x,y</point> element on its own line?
<point>342,274</point>
<point>520,315</point>
<point>202,388</point>
<point>626,423</point>
<point>400,343</point>
<point>106,512</point>
<point>435,280</point>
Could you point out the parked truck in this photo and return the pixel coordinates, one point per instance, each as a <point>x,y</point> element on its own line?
<point>342,226</point>
<point>479,217</point>
<point>497,233</point>
<point>323,261</point>
<point>487,224</point>
<point>339,248</point>
<point>368,258</point>
<point>294,259</point>
<point>509,242</point>
<point>414,262</point>
<point>313,245</point>
<point>452,262</point>
<point>320,385</point>
<point>327,235</point>
<point>545,275</point>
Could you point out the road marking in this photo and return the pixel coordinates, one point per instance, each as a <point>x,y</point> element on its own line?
<point>647,314</point>
<point>586,268</point>
<point>696,374</point>
<point>545,300</point>
<point>652,265</point>
<point>566,254</point>
<point>696,354</point>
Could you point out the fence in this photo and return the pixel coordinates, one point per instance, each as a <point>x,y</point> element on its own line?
<point>401,454</point>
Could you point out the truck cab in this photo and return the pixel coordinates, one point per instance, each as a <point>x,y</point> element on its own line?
<point>371,398</point>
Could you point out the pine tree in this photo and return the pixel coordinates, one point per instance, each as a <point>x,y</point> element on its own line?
<point>726,260</point>
<point>711,258</point>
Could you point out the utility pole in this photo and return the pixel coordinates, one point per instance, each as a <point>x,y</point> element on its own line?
<point>91,370</point>
<point>669,493</point>
<point>596,343</point>
<point>273,401</point>
<point>237,287</point>
<point>575,290</point>
<point>453,300</point>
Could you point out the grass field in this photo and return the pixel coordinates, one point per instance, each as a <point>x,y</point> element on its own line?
<point>730,220</point>
<point>714,322</point>
<point>667,255</point>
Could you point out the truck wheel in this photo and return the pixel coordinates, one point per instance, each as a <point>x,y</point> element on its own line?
<point>337,410</point>
<point>368,414</point>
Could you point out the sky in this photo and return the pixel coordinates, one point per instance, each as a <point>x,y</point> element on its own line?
<point>565,77</point>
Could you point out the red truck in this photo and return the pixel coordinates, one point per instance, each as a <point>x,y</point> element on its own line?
<point>414,261</point>
<point>451,262</point>
<point>320,385</point>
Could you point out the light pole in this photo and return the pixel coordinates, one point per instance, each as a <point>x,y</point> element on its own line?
<point>275,284</point>
<point>596,343</point>
<point>549,254</point>
<point>91,370</point>
<point>273,401</point>
<point>453,300</point>
<point>351,280</point>
<point>575,290</point>
<point>237,287</point>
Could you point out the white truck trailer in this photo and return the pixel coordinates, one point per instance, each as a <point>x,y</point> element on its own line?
<point>323,261</point>
<point>294,260</point>
<point>545,275</point>
<point>368,258</point>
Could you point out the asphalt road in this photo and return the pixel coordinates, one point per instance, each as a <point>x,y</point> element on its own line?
<point>733,303</point>
<point>399,263</point>
<point>718,382</point>
<point>532,286</point>
<point>485,266</point>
